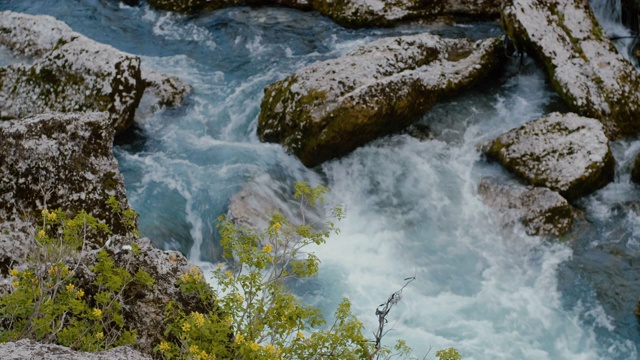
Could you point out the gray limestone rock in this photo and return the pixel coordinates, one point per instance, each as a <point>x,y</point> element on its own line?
<point>69,72</point>
<point>583,64</point>
<point>29,349</point>
<point>540,210</point>
<point>329,108</point>
<point>353,13</point>
<point>566,153</point>
<point>61,161</point>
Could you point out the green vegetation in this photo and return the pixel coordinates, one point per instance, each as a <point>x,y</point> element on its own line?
<point>46,301</point>
<point>247,314</point>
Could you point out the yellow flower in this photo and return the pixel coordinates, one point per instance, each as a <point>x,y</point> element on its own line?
<point>254,346</point>
<point>53,270</point>
<point>203,354</point>
<point>228,321</point>
<point>70,287</point>
<point>267,248</point>
<point>220,265</point>
<point>276,226</point>
<point>52,216</point>
<point>45,212</point>
<point>96,312</point>
<point>185,277</point>
<point>164,346</point>
<point>100,335</point>
<point>238,297</point>
<point>41,233</point>
<point>270,348</point>
<point>15,283</point>
<point>80,293</point>
<point>14,272</point>
<point>229,273</point>
<point>198,318</point>
<point>193,349</point>
<point>186,327</point>
<point>299,335</point>
<point>239,339</point>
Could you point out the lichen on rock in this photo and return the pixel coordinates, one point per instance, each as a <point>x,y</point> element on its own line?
<point>583,64</point>
<point>329,108</point>
<point>538,209</point>
<point>59,161</point>
<point>566,153</point>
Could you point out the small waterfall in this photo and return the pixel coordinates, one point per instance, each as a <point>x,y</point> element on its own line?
<point>619,19</point>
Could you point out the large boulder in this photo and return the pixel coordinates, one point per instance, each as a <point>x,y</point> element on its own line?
<point>329,108</point>
<point>566,153</point>
<point>69,72</point>
<point>583,64</point>
<point>539,210</point>
<point>353,13</point>
<point>29,349</point>
<point>60,161</point>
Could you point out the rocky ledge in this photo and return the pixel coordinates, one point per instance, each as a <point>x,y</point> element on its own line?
<point>28,349</point>
<point>540,210</point>
<point>566,153</point>
<point>59,161</point>
<point>583,64</point>
<point>329,108</point>
<point>354,13</point>
<point>69,72</point>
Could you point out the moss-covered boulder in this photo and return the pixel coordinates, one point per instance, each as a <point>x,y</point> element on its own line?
<point>566,153</point>
<point>353,13</point>
<point>70,73</point>
<point>583,64</point>
<point>329,108</point>
<point>539,210</point>
<point>61,161</point>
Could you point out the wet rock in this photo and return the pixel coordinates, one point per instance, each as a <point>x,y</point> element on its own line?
<point>583,64</point>
<point>28,349</point>
<point>540,210</point>
<point>329,108</point>
<point>353,13</point>
<point>635,172</point>
<point>72,73</point>
<point>566,153</point>
<point>69,73</point>
<point>61,161</point>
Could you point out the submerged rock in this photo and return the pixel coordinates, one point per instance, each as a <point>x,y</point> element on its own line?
<point>72,73</point>
<point>29,349</point>
<point>329,108</point>
<point>540,210</point>
<point>353,13</point>
<point>583,64</point>
<point>61,161</point>
<point>566,153</point>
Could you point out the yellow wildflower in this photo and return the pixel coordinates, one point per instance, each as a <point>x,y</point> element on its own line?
<point>228,321</point>
<point>100,335</point>
<point>193,349</point>
<point>299,335</point>
<point>203,354</point>
<point>45,212</point>
<point>254,346</point>
<point>70,287</point>
<point>79,293</point>
<point>96,312</point>
<point>267,248</point>
<point>229,273</point>
<point>198,318</point>
<point>239,339</point>
<point>52,216</point>
<point>220,265</point>
<point>270,348</point>
<point>186,327</point>
<point>15,283</point>
<point>53,270</point>
<point>238,297</point>
<point>185,277</point>
<point>14,272</point>
<point>276,226</point>
<point>164,346</point>
<point>41,233</point>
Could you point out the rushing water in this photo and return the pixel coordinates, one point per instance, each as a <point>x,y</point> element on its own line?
<point>412,207</point>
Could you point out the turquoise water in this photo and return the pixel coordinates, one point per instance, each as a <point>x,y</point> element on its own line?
<point>412,207</point>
